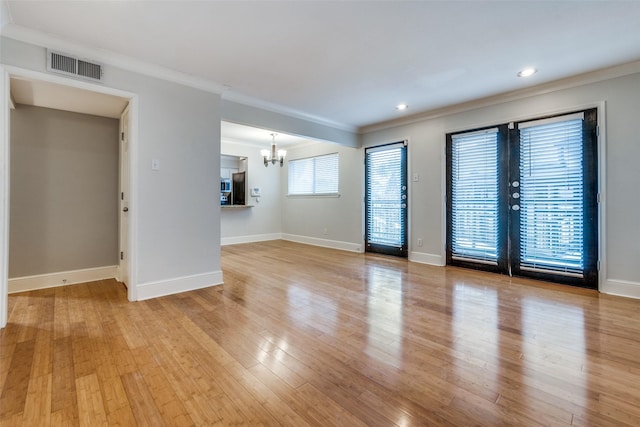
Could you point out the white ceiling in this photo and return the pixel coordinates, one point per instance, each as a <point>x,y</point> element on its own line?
<point>67,98</point>
<point>351,62</point>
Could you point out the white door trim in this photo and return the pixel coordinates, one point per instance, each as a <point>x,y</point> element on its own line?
<point>4,195</point>
<point>6,71</point>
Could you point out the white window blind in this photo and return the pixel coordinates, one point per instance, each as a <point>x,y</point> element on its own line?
<point>314,175</point>
<point>385,218</point>
<point>474,198</point>
<point>552,195</point>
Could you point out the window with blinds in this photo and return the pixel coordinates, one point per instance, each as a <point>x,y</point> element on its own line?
<point>552,195</point>
<point>386,199</point>
<point>522,199</point>
<point>314,175</point>
<point>384,193</point>
<point>474,196</point>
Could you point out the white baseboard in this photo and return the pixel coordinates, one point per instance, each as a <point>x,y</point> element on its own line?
<point>425,258</point>
<point>50,280</point>
<point>333,244</point>
<point>623,288</point>
<point>177,285</point>
<point>249,239</point>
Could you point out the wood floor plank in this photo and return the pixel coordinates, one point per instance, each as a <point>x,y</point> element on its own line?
<point>301,335</point>
<point>144,406</point>
<point>91,409</point>
<point>16,383</point>
<point>37,411</point>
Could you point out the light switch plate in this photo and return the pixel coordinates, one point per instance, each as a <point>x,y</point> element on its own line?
<point>155,164</point>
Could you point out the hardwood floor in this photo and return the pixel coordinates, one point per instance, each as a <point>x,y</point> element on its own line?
<point>300,335</point>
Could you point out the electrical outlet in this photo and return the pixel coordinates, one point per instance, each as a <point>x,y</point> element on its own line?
<point>419,242</point>
<point>325,231</point>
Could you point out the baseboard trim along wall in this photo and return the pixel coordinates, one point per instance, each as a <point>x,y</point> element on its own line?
<point>235,240</point>
<point>63,278</point>
<point>621,288</point>
<point>425,258</point>
<point>333,244</point>
<point>179,284</point>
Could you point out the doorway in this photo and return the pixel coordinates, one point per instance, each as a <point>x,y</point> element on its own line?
<point>68,88</point>
<point>386,199</point>
<point>522,199</point>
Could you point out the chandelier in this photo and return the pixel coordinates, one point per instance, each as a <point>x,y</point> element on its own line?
<point>273,156</point>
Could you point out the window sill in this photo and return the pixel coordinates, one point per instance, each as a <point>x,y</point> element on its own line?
<point>314,196</point>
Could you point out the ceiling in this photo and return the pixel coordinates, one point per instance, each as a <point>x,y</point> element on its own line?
<point>50,95</point>
<point>350,62</point>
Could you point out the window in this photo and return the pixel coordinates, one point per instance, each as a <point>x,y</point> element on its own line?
<point>474,196</point>
<point>314,175</point>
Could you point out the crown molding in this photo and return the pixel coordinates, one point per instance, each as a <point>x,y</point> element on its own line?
<point>541,89</point>
<point>5,14</point>
<point>106,57</point>
<point>276,108</point>
<point>38,38</point>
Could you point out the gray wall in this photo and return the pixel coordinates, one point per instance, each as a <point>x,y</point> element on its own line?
<point>621,226</point>
<point>265,217</point>
<point>176,211</point>
<point>252,116</point>
<point>338,219</point>
<point>64,191</point>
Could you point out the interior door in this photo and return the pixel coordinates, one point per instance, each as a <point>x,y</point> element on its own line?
<point>386,199</point>
<point>522,199</point>
<point>124,197</point>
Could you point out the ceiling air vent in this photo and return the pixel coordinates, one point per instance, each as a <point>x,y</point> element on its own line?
<point>71,66</point>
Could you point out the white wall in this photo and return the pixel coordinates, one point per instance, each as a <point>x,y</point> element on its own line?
<point>175,212</point>
<point>622,175</point>
<point>263,220</point>
<point>327,221</point>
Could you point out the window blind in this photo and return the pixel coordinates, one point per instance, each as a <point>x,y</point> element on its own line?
<point>474,196</point>
<point>385,216</point>
<point>314,175</point>
<point>552,196</point>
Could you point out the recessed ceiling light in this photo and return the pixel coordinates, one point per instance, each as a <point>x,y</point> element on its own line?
<point>527,72</point>
<point>401,107</point>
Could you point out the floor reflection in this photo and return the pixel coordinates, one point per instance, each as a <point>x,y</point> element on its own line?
<point>554,346</point>
<point>312,310</point>
<point>384,314</point>
<point>475,332</point>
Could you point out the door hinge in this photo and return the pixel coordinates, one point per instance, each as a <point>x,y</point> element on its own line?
<point>122,196</point>
<point>121,255</point>
<point>598,198</point>
<point>121,136</point>
<point>598,265</point>
<point>597,130</point>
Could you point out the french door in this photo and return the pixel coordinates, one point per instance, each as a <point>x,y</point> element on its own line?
<point>386,199</point>
<point>522,199</point>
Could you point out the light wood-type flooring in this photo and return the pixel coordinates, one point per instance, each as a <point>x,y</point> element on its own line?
<point>300,335</point>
